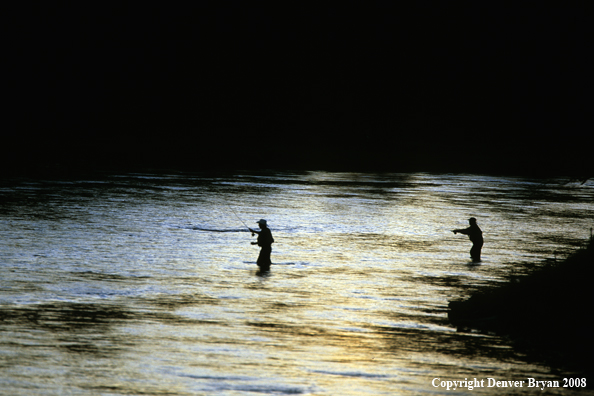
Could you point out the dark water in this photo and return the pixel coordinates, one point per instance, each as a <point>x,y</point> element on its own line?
<point>146,283</point>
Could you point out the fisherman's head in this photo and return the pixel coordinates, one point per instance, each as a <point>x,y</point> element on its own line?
<point>261,223</point>
<point>472,221</point>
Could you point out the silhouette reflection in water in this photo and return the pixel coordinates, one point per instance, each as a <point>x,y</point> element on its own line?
<point>265,241</point>
<point>476,237</point>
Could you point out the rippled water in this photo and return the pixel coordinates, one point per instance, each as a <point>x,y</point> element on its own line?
<point>133,284</point>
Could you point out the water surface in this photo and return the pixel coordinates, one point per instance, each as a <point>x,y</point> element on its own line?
<point>147,283</point>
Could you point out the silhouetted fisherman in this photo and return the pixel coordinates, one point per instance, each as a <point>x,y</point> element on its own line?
<point>476,237</point>
<point>265,241</point>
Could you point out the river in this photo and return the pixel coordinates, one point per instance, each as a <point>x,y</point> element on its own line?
<point>147,284</point>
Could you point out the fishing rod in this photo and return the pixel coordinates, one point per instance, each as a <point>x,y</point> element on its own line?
<point>236,215</point>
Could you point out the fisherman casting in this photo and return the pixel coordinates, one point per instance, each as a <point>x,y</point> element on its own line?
<point>265,241</point>
<point>476,237</point>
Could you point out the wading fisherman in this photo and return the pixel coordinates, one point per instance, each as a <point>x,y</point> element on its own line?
<point>265,241</point>
<point>476,237</point>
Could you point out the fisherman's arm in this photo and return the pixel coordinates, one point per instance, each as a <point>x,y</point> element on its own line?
<point>464,231</point>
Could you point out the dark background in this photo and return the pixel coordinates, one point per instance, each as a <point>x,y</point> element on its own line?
<point>447,86</point>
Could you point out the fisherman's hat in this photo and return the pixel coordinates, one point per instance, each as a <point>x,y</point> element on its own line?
<point>261,221</point>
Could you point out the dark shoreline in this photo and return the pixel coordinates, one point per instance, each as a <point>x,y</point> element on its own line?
<point>546,314</point>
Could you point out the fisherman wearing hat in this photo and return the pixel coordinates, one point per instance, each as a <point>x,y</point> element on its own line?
<point>265,241</point>
<point>476,237</point>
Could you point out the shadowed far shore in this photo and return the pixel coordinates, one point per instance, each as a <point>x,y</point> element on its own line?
<point>547,314</point>
<point>47,160</point>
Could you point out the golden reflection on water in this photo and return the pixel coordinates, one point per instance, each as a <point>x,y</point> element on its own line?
<point>149,285</point>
